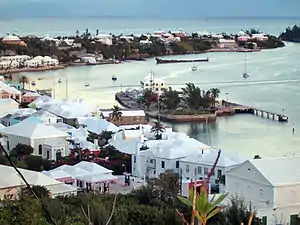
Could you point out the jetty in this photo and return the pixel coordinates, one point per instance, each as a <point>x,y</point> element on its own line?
<point>242,109</point>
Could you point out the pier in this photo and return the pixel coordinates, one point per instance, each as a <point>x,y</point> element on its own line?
<point>240,109</point>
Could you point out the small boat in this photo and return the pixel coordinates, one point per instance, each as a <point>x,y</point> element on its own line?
<point>114,78</point>
<point>33,83</point>
<point>87,85</point>
<point>59,81</point>
<point>245,74</point>
<point>283,118</point>
<point>194,68</point>
<point>163,61</point>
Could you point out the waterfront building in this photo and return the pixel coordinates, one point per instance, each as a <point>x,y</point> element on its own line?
<point>260,37</point>
<point>46,140</point>
<point>271,185</point>
<point>8,92</point>
<point>17,58</point>
<point>155,84</point>
<point>9,64</point>
<point>40,61</point>
<point>224,43</point>
<point>12,185</point>
<point>13,40</point>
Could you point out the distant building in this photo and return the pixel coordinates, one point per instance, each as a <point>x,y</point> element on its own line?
<point>29,97</point>
<point>13,40</point>
<point>16,58</point>
<point>129,117</point>
<point>105,39</point>
<point>259,37</point>
<point>224,43</point>
<point>40,61</point>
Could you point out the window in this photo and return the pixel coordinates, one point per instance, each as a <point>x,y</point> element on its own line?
<point>134,159</point>
<point>205,171</point>
<point>7,143</point>
<point>162,164</point>
<point>40,149</point>
<point>187,168</point>
<point>58,155</point>
<point>219,173</point>
<point>177,164</point>
<point>199,170</point>
<point>48,154</point>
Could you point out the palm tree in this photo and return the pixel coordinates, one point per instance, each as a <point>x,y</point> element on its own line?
<point>116,113</point>
<point>23,80</point>
<point>192,95</point>
<point>215,92</point>
<point>204,208</point>
<point>157,129</point>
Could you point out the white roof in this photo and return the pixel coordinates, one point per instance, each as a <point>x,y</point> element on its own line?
<point>92,167</point>
<point>57,174</point>
<point>125,146</point>
<point>33,130</point>
<point>98,177</point>
<point>60,189</point>
<point>97,125</point>
<point>34,178</point>
<point>31,94</point>
<point>209,156</point>
<point>73,171</point>
<point>226,41</point>
<point>174,148</point>
<point>126,113</point>
<point>279,171</point>
<point>2,126</point>
<point>11,38</point>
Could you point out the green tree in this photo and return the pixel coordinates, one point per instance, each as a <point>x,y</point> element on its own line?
<point>205,209</point>
<point>192,96</point>
<point>147,98</point>
<point>21,150</point>
<point>170,99</point>
<point>215,93</point>
<point>102,138</point>
<point>116,114</point>
<point>40,191</point>
<point>157,129</point>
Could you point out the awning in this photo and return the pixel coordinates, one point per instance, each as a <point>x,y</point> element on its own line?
<point>98,178</point>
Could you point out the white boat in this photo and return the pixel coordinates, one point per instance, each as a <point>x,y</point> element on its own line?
<point>114,78</point>
<point>194,68</point>
<point>87,85</point>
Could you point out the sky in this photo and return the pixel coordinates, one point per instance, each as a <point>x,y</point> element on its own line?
<point>149,8</point>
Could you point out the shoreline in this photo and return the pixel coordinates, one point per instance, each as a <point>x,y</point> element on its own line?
<point>109,62</point>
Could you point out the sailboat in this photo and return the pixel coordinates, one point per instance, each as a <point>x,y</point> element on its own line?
<point>245,74</point>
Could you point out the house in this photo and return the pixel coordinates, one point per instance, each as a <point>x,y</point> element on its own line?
<point>259,37</point>
<point>145,42</point>
<point>13,40</point>
<point>40,61</point>
<point>225,43</point>
<point>12,184</point>
<point>47,117</point>
<point>87,176</point>
<point>272,185</point>
<point>9,92</point>
<point>129,117</point>
<point>97,125</point>
<point>46,140</point>
<point>105,39</point>
<point>30,96</point>
<point>8,105</point>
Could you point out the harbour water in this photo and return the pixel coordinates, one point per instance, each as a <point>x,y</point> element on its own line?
<point>273,85</point>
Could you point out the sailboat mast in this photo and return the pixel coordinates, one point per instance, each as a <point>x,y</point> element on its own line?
<point>245,63</point>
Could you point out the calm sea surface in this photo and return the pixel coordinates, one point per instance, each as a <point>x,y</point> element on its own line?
<point>273,84</point>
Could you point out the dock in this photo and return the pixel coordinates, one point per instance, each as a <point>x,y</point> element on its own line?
<point>241,109</point>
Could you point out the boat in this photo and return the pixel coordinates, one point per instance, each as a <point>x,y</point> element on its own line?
<point>194,68</point>
<point>87,85</point>
<point>245,74</point>
<point>59,81</point>
<point>283,118</point>
<point>33,83</point>
<point>114,78</point>
<point>164,61</point>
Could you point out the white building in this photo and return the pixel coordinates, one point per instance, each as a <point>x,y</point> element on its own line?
<point>271,185</point>
<point>47,141</point>
<point>47,117</point>
<point>260,37</point>
<point>16,58</point>
<point>12,184</point>
<point>155,84</point>
<point>105,39</point>
<point>40,61</point>
<point>88,59</point>
<point>9,64</point>
<point>85,175</point>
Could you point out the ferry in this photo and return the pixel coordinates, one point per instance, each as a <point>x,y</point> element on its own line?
<point>164,61</point>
